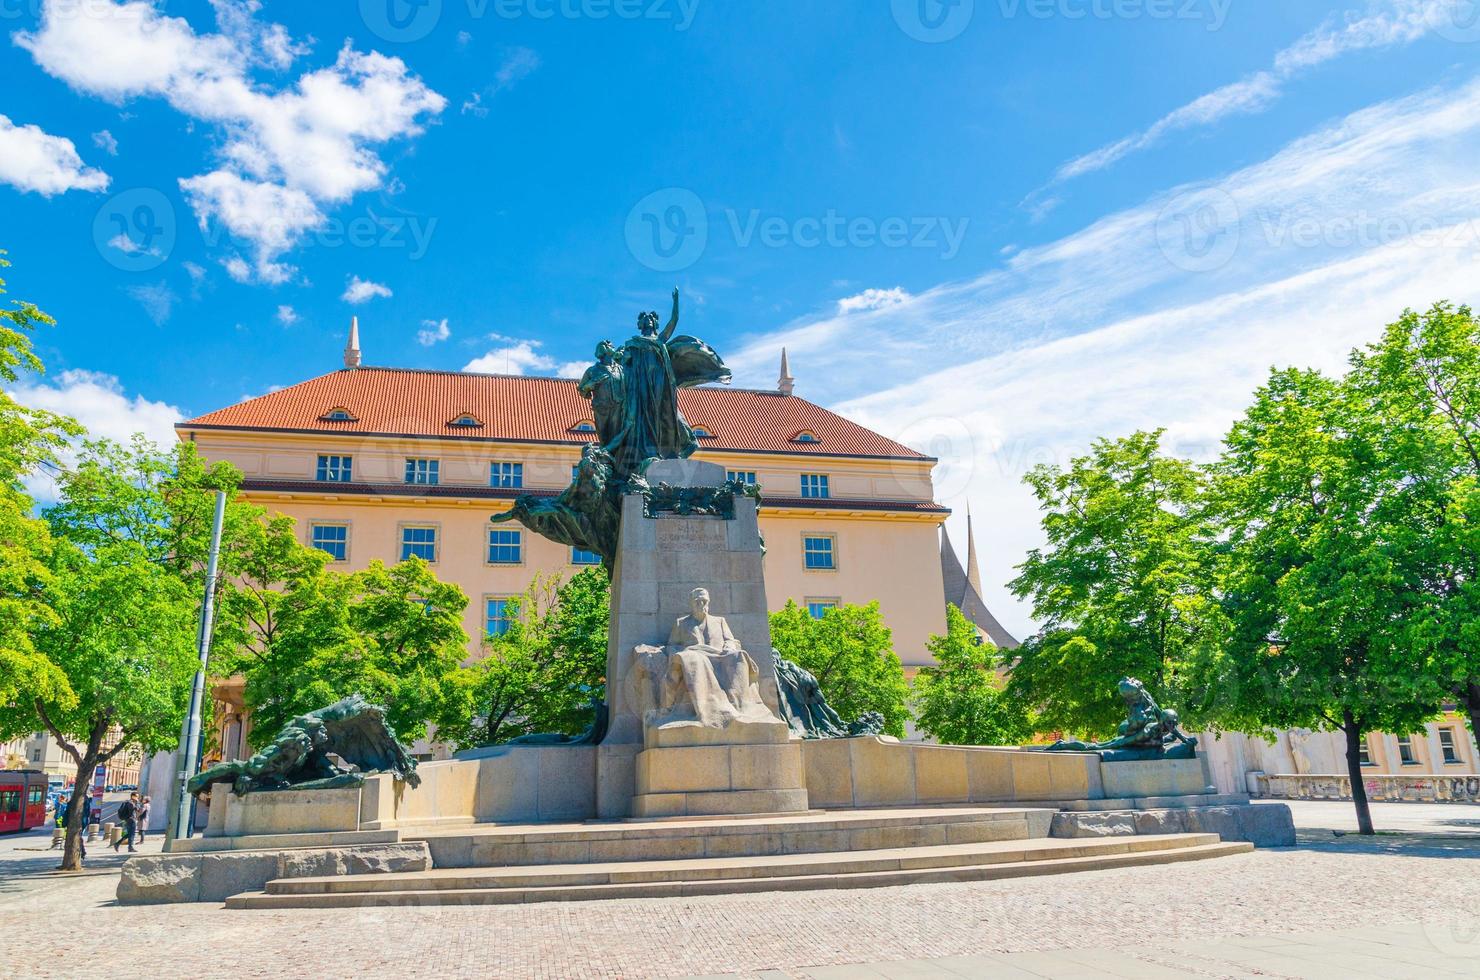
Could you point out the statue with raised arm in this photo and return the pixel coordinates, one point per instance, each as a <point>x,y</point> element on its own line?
<point>655,364</point>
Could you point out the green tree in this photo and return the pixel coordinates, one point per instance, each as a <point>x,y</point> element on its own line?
<point>391,633</point>
<point>1318,583</point>
<point>1122,587</point>
<point>960,700</point>
<point>1422,382</point>
<point>29,439</point>
<point>851,653</point>
<point>543,673</point>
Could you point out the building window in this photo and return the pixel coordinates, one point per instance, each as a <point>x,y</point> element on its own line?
<point>805,437</point>
<point>817,608</point>
<point>506,476</point>
<point>814,485</point>
<point>1448,747</point>
<point>817,552</point>
<point>585,425</point>
<point>702,432</point>
<point>335,469</point>
<point>422,471</point>
<point>496,619</point>
<point>1364,753</point>
<point>1405,750</point>
<point>580,556</point>
<point>746,477</point>
<point>338,415</point>
<point>419,542</point>
<point>505,547</point>
<point>35,755</point>
<point>330,538</point>
<point>466,421</point>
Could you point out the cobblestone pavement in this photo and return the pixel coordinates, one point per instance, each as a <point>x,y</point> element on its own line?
<point>61,926</point>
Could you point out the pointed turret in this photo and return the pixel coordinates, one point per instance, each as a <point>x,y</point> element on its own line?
<point>352,348</point>
<point>786,383</point>
<point>973,575</point>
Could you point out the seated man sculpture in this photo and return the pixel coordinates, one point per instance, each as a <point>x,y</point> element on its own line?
<point>705,677</point>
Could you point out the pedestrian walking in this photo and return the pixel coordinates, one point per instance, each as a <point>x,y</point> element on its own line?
<point>143,818</point>
<point>129,814</point>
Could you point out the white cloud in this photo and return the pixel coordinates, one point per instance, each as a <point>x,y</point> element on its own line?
<point>99,402</point>
<point>307,143</point>
<point>515,357</point>
<point>1122,326</point>
<point>362,291</point>
<point>197,274</point>
<point>873,299</point>
<point>157,300</point>
<point>518,64</point>
<point>433,332</point>
<point>105,141</point>
<point>1386,23</point>
<point>34,160</point>
<point>287,316</point>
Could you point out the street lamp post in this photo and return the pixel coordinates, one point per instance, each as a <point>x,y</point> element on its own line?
<point>189,750</point>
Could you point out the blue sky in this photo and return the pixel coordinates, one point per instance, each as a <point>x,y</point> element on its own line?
<point>995,229</point>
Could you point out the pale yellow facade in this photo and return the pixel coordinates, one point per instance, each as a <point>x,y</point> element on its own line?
<point>890,555</point>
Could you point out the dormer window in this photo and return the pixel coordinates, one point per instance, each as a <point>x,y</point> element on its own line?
<point>338,414</point>
<point>584,425</point>
<point>805,436</point>
<point>703,432</point>
<point>466,421</point>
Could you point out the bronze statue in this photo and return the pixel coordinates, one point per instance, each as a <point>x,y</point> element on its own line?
<point>806,711</point>
<point>634,401</point>
<point>1148,732</point>
<point>299,758</point>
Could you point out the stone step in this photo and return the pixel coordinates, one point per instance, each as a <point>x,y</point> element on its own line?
<point>501,845</point>
<point>1048,857</point>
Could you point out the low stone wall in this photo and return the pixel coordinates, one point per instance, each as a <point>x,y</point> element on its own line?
<point>216,876</point>
<point>500,784</point>
<point>877,771</point>
<point>1415,788</point>
<point>1263,824</point>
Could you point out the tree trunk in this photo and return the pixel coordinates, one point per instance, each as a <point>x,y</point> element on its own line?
<point>1353,730</point>
<point>76,826</point>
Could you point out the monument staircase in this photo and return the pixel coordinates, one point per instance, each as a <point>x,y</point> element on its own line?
<point>516,863</point>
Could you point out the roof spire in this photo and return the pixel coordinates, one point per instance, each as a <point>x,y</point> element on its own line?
<point>786,382</point>
<point>973,575</point>
<point>352,347</point>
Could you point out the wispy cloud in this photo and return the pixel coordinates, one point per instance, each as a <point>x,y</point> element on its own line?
<point>1164,314</point>
<point>287,316</point>
<point>158,301</point>
<point>362,291</point>
<point>433,332</point>
<point>514,355</point>
<point>517,65</point>
<point>1384,24</point>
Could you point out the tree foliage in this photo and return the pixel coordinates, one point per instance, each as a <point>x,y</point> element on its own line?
<point>1122,587</point>
<point>541,675</point>
<point>960,699</point>
<point>391,633</point>
<point>851,653</point>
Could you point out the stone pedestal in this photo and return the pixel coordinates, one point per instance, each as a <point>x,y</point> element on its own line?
<point>660,560</point>
<point>288,811</point>
<point>1154,777</point>
<point>688,771</point>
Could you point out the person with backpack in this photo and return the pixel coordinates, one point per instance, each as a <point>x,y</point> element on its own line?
<point>129,814</point>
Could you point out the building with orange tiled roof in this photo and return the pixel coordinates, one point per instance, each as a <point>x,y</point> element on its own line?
<point>382,463</point>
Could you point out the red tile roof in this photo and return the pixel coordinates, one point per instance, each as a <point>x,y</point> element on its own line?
<point>397,402</point>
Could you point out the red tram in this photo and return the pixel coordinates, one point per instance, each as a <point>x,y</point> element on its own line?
<point>22,799</point>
